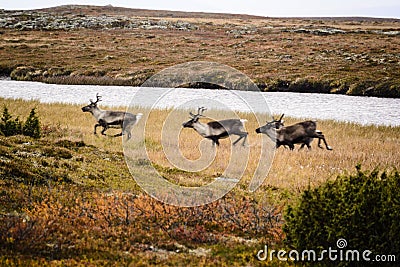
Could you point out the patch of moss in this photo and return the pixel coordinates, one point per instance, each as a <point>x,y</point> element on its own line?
<point>57,152</point>
<point>70,144</point>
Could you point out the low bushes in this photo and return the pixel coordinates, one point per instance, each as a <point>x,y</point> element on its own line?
<point>310,86</point>
<point>72,223</point>
<point>363,208</point>
<point>10,126</point>
<point>379,88</point>
<point>58,75</point>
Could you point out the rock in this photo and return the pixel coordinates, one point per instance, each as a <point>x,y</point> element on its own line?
<point>108,57</point>
<point>200,252</point>
<point>29,20</point>
<point>22,73</point>
<point>285,57</point>
<point>320,31</point>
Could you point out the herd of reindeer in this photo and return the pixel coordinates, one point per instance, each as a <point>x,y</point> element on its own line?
<point>301,133</point>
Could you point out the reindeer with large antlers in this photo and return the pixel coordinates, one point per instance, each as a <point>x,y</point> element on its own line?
<point>112,119</point>
<point>215,130</point>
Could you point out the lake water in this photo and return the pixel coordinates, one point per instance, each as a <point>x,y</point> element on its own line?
<point>363,110</point>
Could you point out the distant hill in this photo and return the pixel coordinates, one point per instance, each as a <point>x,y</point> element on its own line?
<point>112,10</point>
<point>107,45</point>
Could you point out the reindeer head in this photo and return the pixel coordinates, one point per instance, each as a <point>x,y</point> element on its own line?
<point>274,124</point>
<point>92,105</point>
<point>194,118</point>
<point>278,123</point>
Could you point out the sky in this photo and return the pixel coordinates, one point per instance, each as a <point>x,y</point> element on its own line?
<point>280,8</point>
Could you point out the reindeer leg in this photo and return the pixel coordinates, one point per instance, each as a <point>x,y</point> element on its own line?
<point>127,128</point>
<point>319,142</point>
<point>308,146</point>
<point>244,140</point>
<point>103,132</point>
<point>321,136</point>
<point>278,144</point>
<point>95,127</point>
<point>326,144</point>
<point>127,131</point>
<point>103,124</point>
<point>105,128</point>
<point>241,136</point>
<point>215,141</point>
<point>123,129</point>
<point>308,143</point>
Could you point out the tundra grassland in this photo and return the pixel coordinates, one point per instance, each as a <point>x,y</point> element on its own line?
<point>69,199</point>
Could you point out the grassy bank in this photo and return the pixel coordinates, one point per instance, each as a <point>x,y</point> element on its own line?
<point>355,56</point>
<point>68,198</point>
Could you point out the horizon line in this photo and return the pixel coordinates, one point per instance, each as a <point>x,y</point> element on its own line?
<point>216,13</point>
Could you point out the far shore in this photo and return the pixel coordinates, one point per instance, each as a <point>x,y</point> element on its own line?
<point>116,46</point>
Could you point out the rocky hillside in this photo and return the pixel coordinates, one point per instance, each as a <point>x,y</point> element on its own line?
<point>111,45</point>
<point>70,17</point>
<point>42,20</point>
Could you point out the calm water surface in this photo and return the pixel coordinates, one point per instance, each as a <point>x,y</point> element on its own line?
<point>363,110</point>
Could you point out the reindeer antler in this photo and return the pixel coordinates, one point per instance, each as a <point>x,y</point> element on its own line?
<point>98,99</point>
<point>200,111</point>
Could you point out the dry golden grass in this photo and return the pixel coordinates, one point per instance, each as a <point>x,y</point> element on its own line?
<point>291,171</point>
<point>94,203</point>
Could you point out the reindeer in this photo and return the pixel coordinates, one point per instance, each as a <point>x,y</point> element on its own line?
<point>216,130</point>
<point>112,119</point>
<point>280,123</point>
<point>300,133</point>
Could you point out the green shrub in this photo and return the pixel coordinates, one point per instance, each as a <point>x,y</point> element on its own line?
<point>10,126</point>
<point>363,208</point>
<point>32,125</point>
